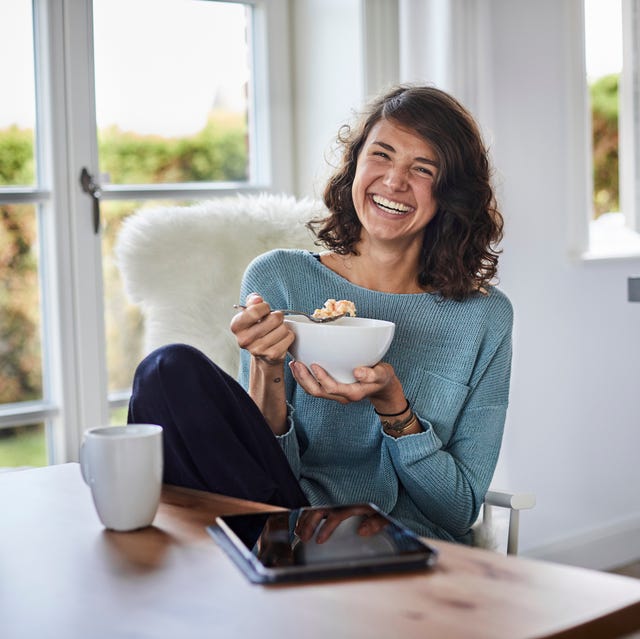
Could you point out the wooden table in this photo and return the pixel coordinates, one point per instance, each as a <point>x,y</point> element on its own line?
<point>63,575</point>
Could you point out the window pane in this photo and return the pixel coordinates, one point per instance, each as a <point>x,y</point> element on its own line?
<point>603,39</point>
<point>123,320</point>
<point>118,416</point>
<point>172,80</point>
<point>20,320</point>
<point>23,446</point>
<point>17,105</point>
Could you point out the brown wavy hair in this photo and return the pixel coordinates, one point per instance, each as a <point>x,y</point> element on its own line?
<point>458,256</point>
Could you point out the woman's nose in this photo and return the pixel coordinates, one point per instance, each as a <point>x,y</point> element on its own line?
<point>395,178</point>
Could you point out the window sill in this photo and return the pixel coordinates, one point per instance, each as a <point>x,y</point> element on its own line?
<point>611,239</point>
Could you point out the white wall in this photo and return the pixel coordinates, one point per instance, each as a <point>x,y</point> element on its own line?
<point>327,81</point>
<point>573,433</point>
<point>573,429</point>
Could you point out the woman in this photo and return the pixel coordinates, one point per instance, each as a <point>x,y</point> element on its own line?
<point>410,238</point>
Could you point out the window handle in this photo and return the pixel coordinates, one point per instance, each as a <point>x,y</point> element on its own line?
<point>92,188</point>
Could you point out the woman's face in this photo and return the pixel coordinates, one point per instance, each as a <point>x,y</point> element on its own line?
<point>393,186</point>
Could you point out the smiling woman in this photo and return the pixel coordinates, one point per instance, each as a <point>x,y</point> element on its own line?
<point>443,165</point>
<point>410,233</point>
<point>395,161</point>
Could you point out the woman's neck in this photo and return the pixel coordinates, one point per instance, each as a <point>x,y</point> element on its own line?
<point>385,271</point>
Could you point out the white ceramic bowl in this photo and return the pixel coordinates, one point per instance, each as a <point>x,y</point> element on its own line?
<point>340,346</point>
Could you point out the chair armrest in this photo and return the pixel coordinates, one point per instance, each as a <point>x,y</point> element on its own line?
<point>514,502</point>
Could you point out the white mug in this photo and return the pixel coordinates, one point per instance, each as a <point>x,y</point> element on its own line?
<point>123,467</point>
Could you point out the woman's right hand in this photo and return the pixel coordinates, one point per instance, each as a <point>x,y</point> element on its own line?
<point>262,332</point>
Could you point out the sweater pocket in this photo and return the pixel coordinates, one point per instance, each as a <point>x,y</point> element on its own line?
<point>437,400</point>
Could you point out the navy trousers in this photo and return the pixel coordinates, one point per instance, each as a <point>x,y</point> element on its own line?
<point>214,435</point>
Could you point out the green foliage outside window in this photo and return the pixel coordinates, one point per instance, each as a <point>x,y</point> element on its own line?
<point>217,153</point>
<point>16,157</point>
<point>20,365</point>
<point>604,112</point>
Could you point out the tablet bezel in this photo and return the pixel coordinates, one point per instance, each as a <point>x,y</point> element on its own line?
<point>423,558</point>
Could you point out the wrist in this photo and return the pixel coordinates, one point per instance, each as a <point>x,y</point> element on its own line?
<point>396,408</point>
<point>267,366</point>
<point>267,389</point>
<point>395,426</point>
<point>410,425</point>
<point>390,399</point>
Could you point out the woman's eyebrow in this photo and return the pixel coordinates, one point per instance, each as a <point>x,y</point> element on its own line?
<point>388,147</point>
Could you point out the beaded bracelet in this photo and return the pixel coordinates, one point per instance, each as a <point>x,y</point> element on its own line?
<point>406,408</point>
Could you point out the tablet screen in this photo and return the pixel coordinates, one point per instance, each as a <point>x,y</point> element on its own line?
<point>321,541</point>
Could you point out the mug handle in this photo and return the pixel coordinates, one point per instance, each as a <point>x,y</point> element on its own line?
<point>84,463</point>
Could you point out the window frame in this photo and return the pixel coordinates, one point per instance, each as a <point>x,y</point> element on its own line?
<point>581,192</point>
<point>629,121</point>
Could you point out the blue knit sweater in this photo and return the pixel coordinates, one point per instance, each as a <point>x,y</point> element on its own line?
<point>453,360</point>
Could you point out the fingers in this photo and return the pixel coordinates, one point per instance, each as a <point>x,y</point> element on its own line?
<point>311,383</point>
<point>269,350</point>
<point>366,375</point>
<point>261,331</point>
<point>372,525</point>
<point>323,522</point>
<point>379,375</point>
<point>318,383</point>
<point>256,311</point>
<point>328,527</point>
<point>320,521</point>
<point>269,342</point>
<point>254,298</point>
<point>308,522</point>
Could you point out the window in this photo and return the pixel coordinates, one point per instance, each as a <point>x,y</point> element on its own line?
<point>22,205</point>
<point>162,103</point>
<point>173,106</point>
<point>172,101</point>
<point>610,68</point>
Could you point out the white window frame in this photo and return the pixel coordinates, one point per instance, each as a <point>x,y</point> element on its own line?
<point>74,349</point>
<point>629,124</point>
<point>583,246</point>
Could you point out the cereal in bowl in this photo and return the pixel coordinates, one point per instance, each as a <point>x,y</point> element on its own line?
<point>332,308</point>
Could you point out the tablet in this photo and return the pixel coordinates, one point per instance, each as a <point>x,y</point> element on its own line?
<point>319,542</point>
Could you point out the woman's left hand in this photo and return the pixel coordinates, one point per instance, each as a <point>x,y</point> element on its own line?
<point>376,382</point>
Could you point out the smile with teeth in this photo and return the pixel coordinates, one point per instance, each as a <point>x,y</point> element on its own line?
<point>397,208</point>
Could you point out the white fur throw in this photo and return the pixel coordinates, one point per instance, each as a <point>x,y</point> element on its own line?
<point>183,265</point>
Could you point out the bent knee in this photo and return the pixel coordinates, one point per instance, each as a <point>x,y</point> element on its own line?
<point>170,357</point>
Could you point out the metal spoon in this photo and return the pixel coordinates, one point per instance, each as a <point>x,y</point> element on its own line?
<point>288,311</point>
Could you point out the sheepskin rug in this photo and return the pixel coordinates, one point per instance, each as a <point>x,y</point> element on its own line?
<point>183,265</point>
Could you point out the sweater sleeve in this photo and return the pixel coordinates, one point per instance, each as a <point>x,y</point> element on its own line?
<point>448,482</point>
